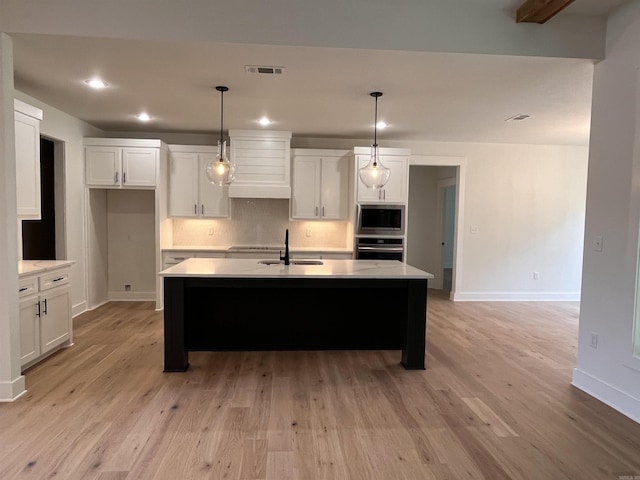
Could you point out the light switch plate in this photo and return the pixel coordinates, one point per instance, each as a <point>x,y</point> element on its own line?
<point>597,243</point>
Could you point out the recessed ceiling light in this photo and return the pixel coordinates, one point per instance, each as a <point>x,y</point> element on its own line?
<point>264,121</point>
<point>96,83</point>
<point>381,125</point>
<point>143,117</point>
<point>518,117</point>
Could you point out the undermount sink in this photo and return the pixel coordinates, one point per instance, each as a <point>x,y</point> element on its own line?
<point>270,262</point>
<point>292,262</point>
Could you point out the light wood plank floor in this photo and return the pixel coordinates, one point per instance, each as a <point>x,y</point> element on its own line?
<point>494,403</point>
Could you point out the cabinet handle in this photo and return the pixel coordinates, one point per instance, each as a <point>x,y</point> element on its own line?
<point>323,210</point>
<point>316,211</point>
<point>45,306</point>
<point>124,177</point>
<point>38,311</point>
<point>116,182</point>
<point>23,289</point>
<point>57,279</point>
<point>202,208</point>
<point>195,209</point>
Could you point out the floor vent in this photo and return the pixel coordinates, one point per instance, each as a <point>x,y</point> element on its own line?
<point>264,69</point>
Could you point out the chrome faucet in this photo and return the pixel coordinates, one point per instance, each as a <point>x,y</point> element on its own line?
<point>286,248</point>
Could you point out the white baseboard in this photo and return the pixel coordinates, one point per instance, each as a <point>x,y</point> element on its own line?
<point>132,296</point>
<point>78,309</point>
<point>516,296</point>
<point>10,391</point>
<point>607,394</point>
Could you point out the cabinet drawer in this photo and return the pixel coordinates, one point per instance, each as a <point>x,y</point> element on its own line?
<point>54,279</point>
<point>27,286</point>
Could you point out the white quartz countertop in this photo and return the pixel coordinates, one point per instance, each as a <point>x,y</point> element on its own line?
<point>250,268</point>
<point>255,248</point>
<point>26,267</point>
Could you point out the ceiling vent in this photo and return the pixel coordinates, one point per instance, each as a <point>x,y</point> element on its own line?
<point>519,117</point>
<point>264,69</point>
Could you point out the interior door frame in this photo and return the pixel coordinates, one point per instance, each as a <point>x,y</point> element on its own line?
<point>461,172</point>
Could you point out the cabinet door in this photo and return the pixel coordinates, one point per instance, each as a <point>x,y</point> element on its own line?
<point>371,195</point>
<point>214,199</point>
<point>397,188</point>
<point>333,188</point>
<point>183,185</point>
<point>55,318</point>
<point>27,137</point>
<point>306,188</point>
<point>29,330</point>
<point>139,166</point>
<point>102,166</point>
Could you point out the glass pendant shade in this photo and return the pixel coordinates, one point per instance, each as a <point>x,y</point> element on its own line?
<point>220,170</point>
<point>374,174</point>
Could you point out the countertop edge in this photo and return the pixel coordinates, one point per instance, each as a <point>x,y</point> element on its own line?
<point>35,267</point>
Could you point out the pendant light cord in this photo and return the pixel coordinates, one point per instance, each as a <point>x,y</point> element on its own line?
<point>375,125</point>
<point>221,113</point>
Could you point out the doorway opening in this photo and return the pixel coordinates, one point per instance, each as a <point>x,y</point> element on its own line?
<point>44,239</point>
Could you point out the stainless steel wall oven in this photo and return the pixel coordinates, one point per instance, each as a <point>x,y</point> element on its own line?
<point>379,248</point>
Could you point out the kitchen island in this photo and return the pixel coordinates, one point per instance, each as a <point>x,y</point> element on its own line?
<point>216,304</point>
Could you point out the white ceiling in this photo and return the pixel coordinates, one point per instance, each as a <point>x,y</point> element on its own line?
<point>323,92</point>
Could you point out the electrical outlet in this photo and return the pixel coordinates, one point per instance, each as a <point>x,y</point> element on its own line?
<point>127,287</point>
<point>594,340</point>
<point>536,275</point>
<point>210,231</point>
<point>308,232</point>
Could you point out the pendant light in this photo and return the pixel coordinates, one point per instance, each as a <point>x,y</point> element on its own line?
<point>220,170</point>
<point>374,174</point>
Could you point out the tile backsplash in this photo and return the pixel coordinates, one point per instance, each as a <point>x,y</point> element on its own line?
<point>260,222</point>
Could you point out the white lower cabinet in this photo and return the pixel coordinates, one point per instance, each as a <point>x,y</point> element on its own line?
<point>45,314</point>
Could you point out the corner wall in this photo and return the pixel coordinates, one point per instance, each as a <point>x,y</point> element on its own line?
<point>609,371</point>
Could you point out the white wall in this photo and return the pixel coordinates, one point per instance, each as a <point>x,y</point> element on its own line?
<point>61,126</point>
<point>610,371</point>
<point>131,235</point>
<point>11,381</point>
<point>527,203</point>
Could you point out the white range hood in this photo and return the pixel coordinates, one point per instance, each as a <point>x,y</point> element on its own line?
<point>263,164</point>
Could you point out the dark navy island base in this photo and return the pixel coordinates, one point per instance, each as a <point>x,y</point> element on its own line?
<point>223,314</point>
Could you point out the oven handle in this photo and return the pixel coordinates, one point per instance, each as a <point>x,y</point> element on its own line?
<point>379,249</point>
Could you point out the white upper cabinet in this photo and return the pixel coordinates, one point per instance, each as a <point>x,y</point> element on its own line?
<point>320,184</point>
<point>263,164</point>
<point>190,192</point>
<point>27,138</point>
<point>121,163</point>
<point>397,188</point>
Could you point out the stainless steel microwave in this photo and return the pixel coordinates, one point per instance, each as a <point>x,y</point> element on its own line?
<point>380,219</point>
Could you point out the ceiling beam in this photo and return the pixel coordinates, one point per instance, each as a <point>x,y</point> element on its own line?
<point>539,11</point>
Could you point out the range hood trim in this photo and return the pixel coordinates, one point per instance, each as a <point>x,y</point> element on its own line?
<point>259,191</point>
